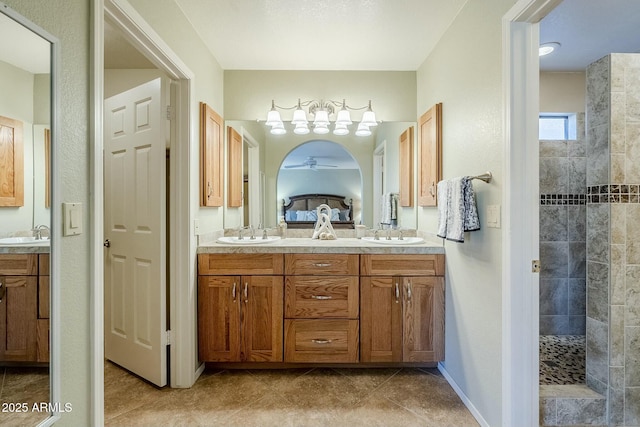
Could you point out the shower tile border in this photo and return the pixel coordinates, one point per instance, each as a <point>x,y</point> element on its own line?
<point>558,199</point>
<point>613,193</point>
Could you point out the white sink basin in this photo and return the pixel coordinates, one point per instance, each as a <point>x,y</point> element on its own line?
<point>233,240</point>
<point>23,241</point>
<point>395,241</point>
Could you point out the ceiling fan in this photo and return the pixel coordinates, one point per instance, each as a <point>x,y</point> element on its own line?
<point>310,163</point>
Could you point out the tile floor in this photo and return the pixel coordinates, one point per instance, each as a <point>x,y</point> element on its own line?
<point>293,397</point>
<point>562,359</point>
<point>23,386</point>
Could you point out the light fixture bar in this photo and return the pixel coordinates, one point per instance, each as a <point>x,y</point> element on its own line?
<point>321,111</point>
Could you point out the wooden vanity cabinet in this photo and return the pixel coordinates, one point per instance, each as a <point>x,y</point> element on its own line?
<point>321,308</point>
<point>402,308</point>
<point>18,307</point>
<point>240,313</point>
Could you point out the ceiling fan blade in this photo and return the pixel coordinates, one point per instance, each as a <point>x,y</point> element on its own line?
<point>327,166</point>
<point>302,165</point>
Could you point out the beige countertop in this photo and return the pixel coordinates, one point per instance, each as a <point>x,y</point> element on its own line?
<point>25,249</point>
<point>308,245</point>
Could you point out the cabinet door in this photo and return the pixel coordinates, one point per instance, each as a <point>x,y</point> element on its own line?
<point>406,167</point>
<point>234,169</point>
<point>423,321</point>
<point>429,155</point>
<point>211,157</point>
<point>18,318</point>
<point>262,313</point>
<point>381,319</point>
<point>219,318</point>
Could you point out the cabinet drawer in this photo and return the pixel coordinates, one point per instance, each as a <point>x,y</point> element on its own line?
<point>319,341</point>
<point>402,265</point>
<point>313,264</point>
<point>321,296</point>
<point>239,264</point>
<point>18,264</point>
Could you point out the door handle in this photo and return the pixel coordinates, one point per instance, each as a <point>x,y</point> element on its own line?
<point>3,289</point>
<point>246,292</point>
<point>409,291</point>
<point>107,243</point>
<point>233,291</point>
<point>397,293</point>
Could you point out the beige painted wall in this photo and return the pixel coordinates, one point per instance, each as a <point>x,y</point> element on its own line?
<point>464,73</point>
<point>166,18</point>
<point>562,92</point>
<point>248,94</point>
<point>69,20</point>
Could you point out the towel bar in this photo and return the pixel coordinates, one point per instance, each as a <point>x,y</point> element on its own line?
<point>486,177</point>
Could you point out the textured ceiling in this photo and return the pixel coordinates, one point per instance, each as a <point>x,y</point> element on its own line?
<point>321,34</point>
<point>589,30</point>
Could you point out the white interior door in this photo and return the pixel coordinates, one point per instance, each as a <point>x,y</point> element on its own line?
<point>135,226</point>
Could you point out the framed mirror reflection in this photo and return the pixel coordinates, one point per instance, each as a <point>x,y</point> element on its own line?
<point>27,146</point>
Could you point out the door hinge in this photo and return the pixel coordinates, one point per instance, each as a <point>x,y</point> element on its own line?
<point>169,112</point>
<point>535,266</point>
<point>169,338</point>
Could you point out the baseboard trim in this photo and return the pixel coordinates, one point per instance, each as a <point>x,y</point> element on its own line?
<point>467,402</point>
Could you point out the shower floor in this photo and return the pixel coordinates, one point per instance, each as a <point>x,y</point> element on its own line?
<point>562,359</point>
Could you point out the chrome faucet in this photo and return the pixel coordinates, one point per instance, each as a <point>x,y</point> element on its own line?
<point>37,231</point>
<point>253,232</point>
<point>400,235</point>
<point>264,234</point>
<point>388,233</point>
<point>376,236</point>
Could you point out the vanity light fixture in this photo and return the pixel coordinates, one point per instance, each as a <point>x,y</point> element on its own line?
<point>547,48</point>
<point>321,112</point>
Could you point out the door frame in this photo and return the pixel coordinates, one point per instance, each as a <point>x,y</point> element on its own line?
<point>256,216</point>
<point>520,240</point>
<point>182,357</point>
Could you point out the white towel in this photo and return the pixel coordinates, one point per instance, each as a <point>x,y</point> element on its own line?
<point>443,200</point>
<point>457,209</point>
<point>385,209</point>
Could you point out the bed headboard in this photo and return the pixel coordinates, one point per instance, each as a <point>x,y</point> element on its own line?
<point>309,202</point>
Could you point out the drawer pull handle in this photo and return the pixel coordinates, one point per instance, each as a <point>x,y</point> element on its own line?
<point>409,291</point>
<point>233,291</point>
<point>322,264</point>
<point>246,292</point>
<point>321,297</point>
<point>397,293</point>
<point>321,341</point>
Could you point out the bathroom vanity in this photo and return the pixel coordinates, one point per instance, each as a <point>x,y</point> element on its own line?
<point>304,301</point>
<point>24,304</point>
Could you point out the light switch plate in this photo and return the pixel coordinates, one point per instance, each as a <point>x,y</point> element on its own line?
<point>72,218</point>
<point>493,216</point>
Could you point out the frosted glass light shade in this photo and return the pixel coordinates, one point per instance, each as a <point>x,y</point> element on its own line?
<point>340,129</point>
<point>344,118</point>
<point>321,129</point>
<point>278,129</point>
<point>301,129</point>
<point>322,118</point>
<point>363,130</point>
<point>299,117</point>
<point>273,118</point>
<point>369,118</point>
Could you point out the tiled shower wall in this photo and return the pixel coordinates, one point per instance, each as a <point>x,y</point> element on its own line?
<point>563,210</point>
<point>613,234</point>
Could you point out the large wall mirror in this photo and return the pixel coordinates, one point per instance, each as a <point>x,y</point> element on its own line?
<point>372,172</point>
<point>27,141</point>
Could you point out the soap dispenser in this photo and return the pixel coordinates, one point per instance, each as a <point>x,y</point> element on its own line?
<point>282,224</point>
